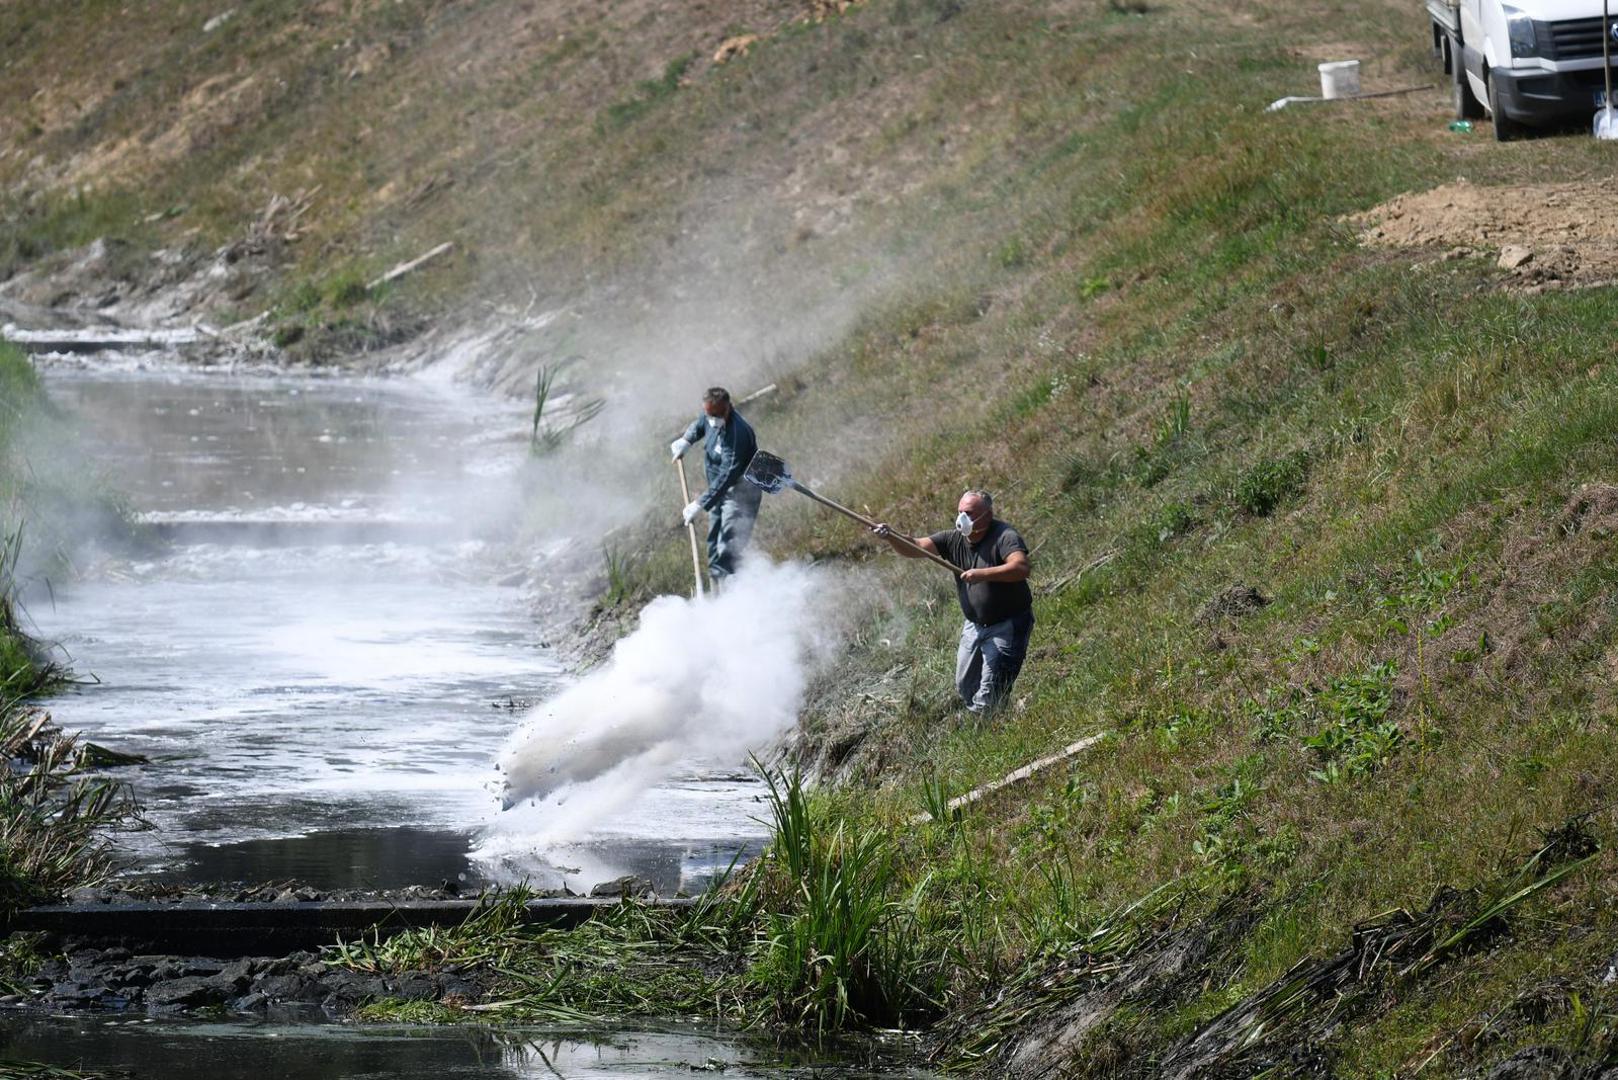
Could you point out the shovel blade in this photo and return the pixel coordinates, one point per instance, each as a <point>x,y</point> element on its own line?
<point>768,472</point>
<point>1606,124</point>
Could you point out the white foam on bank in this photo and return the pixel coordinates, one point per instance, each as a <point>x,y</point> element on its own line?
<point>107,337</point>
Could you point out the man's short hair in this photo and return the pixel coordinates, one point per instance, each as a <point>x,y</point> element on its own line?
<point>716,395</point>
<point>984,496</point>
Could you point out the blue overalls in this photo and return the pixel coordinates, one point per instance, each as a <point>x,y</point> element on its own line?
<point>731,503</point>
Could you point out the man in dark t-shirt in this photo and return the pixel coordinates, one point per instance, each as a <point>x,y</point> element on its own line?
<point>993,589</point>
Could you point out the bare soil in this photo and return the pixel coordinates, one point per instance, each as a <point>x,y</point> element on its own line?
<point>1543,235</point>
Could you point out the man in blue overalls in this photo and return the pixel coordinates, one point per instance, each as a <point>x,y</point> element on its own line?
<point>732,506</point>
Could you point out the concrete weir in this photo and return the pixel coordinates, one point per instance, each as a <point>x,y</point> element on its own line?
<point>97,339</point>
<point>279,927</point>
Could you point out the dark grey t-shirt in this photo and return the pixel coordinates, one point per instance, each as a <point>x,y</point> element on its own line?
<point>986,602</point>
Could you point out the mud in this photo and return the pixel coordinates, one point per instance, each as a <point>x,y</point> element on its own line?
<point>80,975</point>
<point>237,892</point>
<point>1543,236</point>
<point>111,283</point>
<point>114,980</point>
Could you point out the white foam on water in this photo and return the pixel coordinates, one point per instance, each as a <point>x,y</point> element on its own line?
<point>293,513</point>
<point>291,682</point>
<point>700,682</point>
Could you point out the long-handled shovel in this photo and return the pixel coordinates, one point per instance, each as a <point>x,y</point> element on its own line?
<point>1606,123</point>
<point>690,528</point>
<point>771,473</point>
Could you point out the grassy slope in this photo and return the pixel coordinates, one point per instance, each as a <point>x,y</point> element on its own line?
<point>1195,336</point>
<point>589,152</point>
<point>1155,338</point>
<point>1204,336</point>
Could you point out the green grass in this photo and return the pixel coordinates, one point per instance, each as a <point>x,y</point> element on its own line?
<point>54,819</point>
<point>1246,396</point>
<point>813,936</point>
<point>1270,482</point>
<point>841,946</point>
<point>37,230</point>
<point>646,97</point>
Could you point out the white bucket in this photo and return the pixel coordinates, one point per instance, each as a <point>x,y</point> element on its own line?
<point>1340,79</point>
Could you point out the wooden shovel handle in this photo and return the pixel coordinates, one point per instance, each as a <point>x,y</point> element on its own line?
<point>904,541</point>
<point>691,529</point>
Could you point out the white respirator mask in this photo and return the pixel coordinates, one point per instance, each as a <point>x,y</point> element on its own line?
<point>963,523</point>
<point>716,422</point>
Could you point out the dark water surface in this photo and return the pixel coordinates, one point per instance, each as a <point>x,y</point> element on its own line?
<point>395,858</point>
<point>286,1051</point>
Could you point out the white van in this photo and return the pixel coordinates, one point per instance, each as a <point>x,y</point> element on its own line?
<point>1529,62</point>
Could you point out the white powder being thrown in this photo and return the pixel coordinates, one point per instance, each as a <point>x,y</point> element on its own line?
<point>702,680</point>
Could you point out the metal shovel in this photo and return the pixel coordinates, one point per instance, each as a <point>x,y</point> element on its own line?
<point>1606,123</point>
<point>771,473</point>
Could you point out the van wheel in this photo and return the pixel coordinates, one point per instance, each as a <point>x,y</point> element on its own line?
<point>1467,105</point>
<point>1505,128</point>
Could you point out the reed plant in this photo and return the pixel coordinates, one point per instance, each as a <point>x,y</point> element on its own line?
<point>54,811</point>
<point>545,437</point>
<point>843,943</point>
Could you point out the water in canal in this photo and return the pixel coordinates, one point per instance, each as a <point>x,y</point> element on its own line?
<point>321,665</point>
<point>254,1051</point>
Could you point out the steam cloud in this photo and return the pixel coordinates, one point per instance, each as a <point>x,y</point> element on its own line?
<point>704,679</point>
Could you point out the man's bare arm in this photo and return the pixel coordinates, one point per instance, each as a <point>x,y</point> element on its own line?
<point>925,543</point>
<point>1015,568</point>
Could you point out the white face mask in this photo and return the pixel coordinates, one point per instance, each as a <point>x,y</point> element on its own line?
<point>963,523</point>
<point>716,421</point>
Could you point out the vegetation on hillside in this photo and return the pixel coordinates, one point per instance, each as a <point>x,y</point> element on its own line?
<point>1181,374</point>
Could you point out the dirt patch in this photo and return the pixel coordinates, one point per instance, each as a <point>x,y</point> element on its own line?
<point>1592,509</point>
<point>1320,52</point>
<point>1234,603</point>
<point>1518,613</point>
<point>1543,235</point>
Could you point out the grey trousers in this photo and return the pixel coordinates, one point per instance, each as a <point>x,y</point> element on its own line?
<point>989,660</point>
<point>730,527</point>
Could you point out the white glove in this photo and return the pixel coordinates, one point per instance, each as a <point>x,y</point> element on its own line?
<point>678,448</point>
<point>691,511</point>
